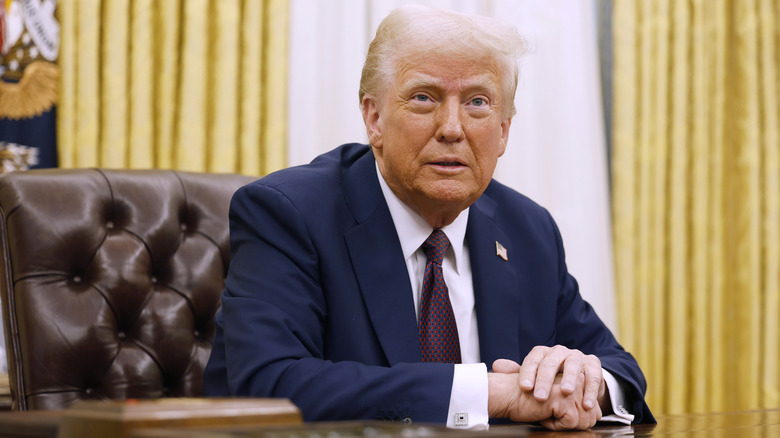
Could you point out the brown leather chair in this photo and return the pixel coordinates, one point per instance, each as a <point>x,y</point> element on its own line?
<point>110,281</point>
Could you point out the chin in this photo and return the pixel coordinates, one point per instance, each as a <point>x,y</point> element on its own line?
<point>452,196</point>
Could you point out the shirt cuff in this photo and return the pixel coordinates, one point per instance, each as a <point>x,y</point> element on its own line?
<point>469,397</point>
<point>617,398</point>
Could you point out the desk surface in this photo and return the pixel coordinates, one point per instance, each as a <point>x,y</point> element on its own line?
<point>761,423</point>
<point>34,424</point>
<point>5,393</point>
<point>766,423</point>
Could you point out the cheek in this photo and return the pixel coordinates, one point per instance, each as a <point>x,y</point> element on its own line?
<point>487,153</point>
<point>419,124</point>
<point>409,137</point>
<point>398,156</point>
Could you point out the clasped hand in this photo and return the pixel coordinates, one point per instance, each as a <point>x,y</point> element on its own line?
<point>555,386</point>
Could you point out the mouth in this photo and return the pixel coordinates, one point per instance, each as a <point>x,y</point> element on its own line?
<point>448,163</point>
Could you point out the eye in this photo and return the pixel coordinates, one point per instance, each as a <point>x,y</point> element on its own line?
<point>478,101</point>
<point>421,98</point>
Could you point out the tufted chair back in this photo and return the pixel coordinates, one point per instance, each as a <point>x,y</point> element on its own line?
<point>110,281</point>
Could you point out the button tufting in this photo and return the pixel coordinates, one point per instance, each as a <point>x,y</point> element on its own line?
<point>110,225</point>
<point>121,335</point>
<point>196,333</point>
<point>184,227</point>
<point>89,391</point>
<point>153,279</point>
<point>76,279</point>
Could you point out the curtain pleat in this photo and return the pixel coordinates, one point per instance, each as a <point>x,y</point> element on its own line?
<point>251,76</point>
<point>678,144</point>
<point>225,85</point>
<point>275,86</point>
<point>743,205</point>
<point>194,112</point>
<point>166,84</point>
<point>66,106</point>
<point>696,206</point>
<point>195,85</point>
<point>87,95</point>
<point>769,81</point>
<point>114,67</point>
<point>142,71</point>
<point>624,174</point>
<point>714,153</point>
<point>698,374</point>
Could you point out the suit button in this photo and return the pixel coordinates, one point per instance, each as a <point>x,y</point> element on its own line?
<point>407,420</point>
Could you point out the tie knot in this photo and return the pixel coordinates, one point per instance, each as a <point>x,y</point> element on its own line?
<point>435,245</point>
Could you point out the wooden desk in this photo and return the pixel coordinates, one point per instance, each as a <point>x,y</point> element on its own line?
<point>763,423</point>
<point>120,419</point>
<point>344,429</point>
<point>5,393</point>
<point>33,424</point>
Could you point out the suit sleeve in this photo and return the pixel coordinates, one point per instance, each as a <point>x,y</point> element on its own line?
<point>271,339</point>
<point>579,327</point>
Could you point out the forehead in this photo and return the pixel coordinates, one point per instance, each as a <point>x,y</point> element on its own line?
<point>442,71</point>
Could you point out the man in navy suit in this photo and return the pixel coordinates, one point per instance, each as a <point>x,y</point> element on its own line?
<point>328,302</point>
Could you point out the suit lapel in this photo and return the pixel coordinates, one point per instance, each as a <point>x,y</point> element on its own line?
<point>379,266</point>
<point>496,284</point>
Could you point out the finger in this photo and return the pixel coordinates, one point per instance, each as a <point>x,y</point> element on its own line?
<point>530,365</point>
<point>506,366</point>
<point>565,419</point>
<point>573,369</point>
<point>549,423</point>
<point>597,414</point>
<point>547,370</point>
<point>555,424</point>
<point>593,382</point>
<point>588,418</point>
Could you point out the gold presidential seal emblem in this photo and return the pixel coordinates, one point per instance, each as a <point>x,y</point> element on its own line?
<point>29,75</point>
<point>30,44</point>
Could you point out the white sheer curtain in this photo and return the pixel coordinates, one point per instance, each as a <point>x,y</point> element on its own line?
<point>556,153</point>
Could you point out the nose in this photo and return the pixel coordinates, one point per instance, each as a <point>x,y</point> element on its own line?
<point>449,126</point>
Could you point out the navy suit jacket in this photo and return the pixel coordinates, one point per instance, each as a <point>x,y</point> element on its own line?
<point>318,307</point>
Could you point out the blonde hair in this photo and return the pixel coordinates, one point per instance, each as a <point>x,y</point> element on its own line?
<point>417,29</point>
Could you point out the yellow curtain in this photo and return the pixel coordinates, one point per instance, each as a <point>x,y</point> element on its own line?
<point>696,199</point>
<point>194,85</point>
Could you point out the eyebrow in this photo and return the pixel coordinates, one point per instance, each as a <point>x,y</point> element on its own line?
<point>426,81</point>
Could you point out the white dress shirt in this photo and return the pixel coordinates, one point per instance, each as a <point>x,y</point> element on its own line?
<point>469,397</point>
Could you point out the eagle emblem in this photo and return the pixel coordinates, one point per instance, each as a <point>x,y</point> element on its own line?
<point>30,40</point>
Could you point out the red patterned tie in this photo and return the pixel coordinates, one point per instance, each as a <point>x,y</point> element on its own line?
<point>438,331</point>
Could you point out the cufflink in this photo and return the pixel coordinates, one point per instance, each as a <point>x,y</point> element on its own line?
<point>461,419</point>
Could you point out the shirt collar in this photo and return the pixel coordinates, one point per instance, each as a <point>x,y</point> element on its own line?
<point>413,230</point>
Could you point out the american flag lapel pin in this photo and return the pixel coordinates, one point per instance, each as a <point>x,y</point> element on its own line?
<point>501,251</point>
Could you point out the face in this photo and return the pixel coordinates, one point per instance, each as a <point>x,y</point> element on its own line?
<point>437,132</point>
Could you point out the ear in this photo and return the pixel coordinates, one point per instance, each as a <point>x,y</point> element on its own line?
<point>504,134</point>
<point>370,109</point>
